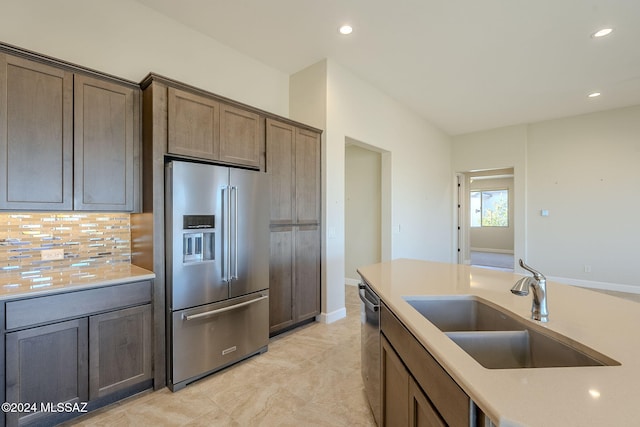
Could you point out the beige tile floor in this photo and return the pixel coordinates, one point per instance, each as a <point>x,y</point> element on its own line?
<point>309,377</point>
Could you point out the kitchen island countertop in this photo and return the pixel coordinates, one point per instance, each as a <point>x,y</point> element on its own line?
<point>574,396</point>
<point>14,286</point>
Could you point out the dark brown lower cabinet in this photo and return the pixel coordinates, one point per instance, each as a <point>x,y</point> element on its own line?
<point>64,368</point>
<point>416,390</point>
<point>47,364</point>
<point>395,387</point>
<point>421,411</point>
<point>403,402</point>
<point>281,278</point>
<point>294,276</point>
<point>119,350</point>
<point>307,272</point>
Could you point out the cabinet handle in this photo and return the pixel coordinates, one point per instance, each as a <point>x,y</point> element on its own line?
<point>222,310</point>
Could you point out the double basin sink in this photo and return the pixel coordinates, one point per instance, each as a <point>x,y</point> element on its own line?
<point>499,339</point>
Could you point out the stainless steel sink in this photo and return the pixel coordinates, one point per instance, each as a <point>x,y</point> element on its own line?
<point>463,313</point>
<point>499,339</point>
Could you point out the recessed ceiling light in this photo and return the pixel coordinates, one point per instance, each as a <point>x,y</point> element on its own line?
<point>601,33</point>
<point>594,94</point>
<point>345,29</point>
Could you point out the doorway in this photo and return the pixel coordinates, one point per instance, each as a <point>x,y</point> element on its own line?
<point>364,197</point>
<point>486,218</point>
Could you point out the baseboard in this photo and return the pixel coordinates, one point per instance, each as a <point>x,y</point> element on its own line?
<point>351,282</point>
<point>605,286</point>
<point>495,251</point>
<point>333,316</point>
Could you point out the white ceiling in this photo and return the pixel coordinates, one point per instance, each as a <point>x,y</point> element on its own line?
<point>465,65</point>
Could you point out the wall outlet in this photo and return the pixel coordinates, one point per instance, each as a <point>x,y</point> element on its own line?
<point>587,269</point>
<point>52,254</point>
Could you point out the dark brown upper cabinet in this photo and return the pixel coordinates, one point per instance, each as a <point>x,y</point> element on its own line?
<point>193,125</point>
<point>201,127</point>
<point>293,160</point>
<point>307,188</point>
<point>241,136</point>
<point>36,135</point>
<point>281,165</point>
<point>68,141</point>
<point>106,125</point>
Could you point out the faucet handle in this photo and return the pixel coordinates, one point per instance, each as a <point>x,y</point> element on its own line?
<point>536,274</point>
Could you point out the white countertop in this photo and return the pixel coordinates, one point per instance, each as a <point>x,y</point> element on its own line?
<point>41,283</point>
<point>575,396</point>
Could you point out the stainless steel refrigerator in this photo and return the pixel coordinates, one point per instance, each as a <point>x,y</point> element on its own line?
<point>217,262</point>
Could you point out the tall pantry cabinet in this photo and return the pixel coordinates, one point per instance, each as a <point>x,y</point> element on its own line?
<point>293,160</point>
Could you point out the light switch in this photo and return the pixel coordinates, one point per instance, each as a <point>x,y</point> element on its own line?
<point>544,212</point>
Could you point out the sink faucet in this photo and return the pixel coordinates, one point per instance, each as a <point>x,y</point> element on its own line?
<point>539,285</point>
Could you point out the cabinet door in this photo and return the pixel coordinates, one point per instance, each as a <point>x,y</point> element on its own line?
<point>281,167</point>
<point>119,350</point>
<point>47,364</point>
<point>307,182</point>
<point>241,141</point>
<point>281,278</point>
<point>395,387</point>
<point>105,133</point>
<point>293,160</point>
<point>193,125</point>
<point>307,272</point>
<point>421,411</point>
<point>36,135</point>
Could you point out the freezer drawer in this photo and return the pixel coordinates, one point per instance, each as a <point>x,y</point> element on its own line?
<point>210,337</point>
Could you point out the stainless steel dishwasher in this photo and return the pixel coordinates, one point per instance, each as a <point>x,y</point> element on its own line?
<point>370,347</point>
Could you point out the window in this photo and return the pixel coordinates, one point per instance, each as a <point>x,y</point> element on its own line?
<point>490,208</point>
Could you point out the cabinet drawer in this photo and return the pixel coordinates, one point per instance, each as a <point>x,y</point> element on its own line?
<point>450,400</point>
<point>34,311</point>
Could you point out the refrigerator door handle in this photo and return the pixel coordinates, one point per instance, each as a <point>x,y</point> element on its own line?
<point>234,189</point>
<point>226,233</point>
<point>222,310</point>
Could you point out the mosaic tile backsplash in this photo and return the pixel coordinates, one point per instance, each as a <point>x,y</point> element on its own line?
<point>88,240</point>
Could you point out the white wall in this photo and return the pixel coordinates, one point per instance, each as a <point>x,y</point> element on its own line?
<point>128,40</point>
<point>584,170</point>
<point>418,165</point>
<point>308,97</point>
